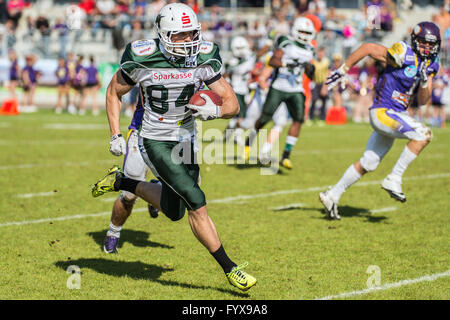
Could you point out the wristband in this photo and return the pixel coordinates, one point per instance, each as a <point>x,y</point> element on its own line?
<point>114,137</point>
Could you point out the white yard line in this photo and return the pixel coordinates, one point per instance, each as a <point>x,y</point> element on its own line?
<point>75,126</point>
<point>38,165</point>
<point>32,195</point>
<point>241,198</point>
<point>321,188</point>
<point>77,216</point>
<point>387,209</point>
<point>388,286</point>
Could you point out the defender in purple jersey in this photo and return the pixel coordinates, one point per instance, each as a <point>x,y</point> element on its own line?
<point>408,67</point>
<point>135,168</point>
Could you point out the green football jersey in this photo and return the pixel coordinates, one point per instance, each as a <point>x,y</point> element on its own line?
<point>290,79</point>
<point>167,84</point>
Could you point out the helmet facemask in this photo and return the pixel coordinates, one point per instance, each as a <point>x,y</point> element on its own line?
<point>181,49</point>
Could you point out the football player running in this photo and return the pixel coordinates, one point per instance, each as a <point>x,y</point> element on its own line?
<point>291,58</point>
<point>262,78</point>
<point>170,69</point>
<point>238,69</point>
<point>133,167</point>
<point>408,67</point>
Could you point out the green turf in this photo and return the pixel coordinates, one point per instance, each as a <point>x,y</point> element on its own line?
<point>294,253</point>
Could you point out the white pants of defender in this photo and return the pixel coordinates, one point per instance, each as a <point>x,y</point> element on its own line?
<point>134,166</point>
<point>389,125</point>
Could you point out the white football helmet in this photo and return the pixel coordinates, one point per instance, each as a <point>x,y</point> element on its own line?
<point>177,18</point>
<point>303,30</point>
<point>240,47</point>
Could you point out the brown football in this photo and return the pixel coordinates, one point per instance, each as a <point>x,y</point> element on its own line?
<point>199,101</point>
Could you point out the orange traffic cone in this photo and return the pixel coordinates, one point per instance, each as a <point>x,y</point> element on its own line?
<point>10,107</point>
<point>336,115</point>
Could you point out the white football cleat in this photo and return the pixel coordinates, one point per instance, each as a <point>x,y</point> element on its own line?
<point>393,185</point>
<point>331,206</point>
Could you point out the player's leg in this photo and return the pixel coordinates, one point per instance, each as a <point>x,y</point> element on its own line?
<point>134,168</point>
<point>419,137</point>
<point>273,100</point>
<point>239,132</point>
<point>377,147</point>
<point>180,191</point>
<point>58,108</point>
<point>442,116</point>
<point>296,105</point>
<point>280,119</point>
<point>83,96</point>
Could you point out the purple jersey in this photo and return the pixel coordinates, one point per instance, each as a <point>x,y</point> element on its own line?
<point>79,75</point>
<point>32,73</point>
<point>136,122</point>
<point>91,75</point>
<point>396,85</point>
<point>13,75</point>
<point>62,73</point>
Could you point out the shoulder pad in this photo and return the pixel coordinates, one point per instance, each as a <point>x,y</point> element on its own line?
<point>206,47</point>
<point>144,47</point>
<point>398,52</point>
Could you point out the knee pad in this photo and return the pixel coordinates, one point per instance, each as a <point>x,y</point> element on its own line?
<point>370,160</point>
<point>426,133</point>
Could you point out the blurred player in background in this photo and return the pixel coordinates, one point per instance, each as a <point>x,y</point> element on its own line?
<point>238,71</point>
<point>14,73</point>
<point>320,90</point>
<point>92,86</point>
<point>30,77</point>
<point>62,74</point>
<point>78,84</point>
<point>291,58</point>
<point>408,67</point>
<point>363,87</point>
<point>261,77</point>
<point>440,82</point>
<point>170,69</point>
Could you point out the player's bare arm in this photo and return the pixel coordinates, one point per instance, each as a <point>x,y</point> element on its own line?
<point>373,50</point>
<point>116,89</point>
<point>230,106</point>
<point>275,61</point>
<point>424,92</point>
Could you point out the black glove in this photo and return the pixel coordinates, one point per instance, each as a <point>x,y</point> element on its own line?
<point>309,70</point>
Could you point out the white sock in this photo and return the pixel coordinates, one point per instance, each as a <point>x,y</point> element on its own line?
<point>350,177</point>
<point>113,231</point>
<point>403,162</point>
<point>291,140</point>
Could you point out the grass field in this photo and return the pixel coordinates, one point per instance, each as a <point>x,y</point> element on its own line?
<point>49,221</point>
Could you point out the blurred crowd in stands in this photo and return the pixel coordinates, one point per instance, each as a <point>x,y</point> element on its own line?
<point>127,20</point>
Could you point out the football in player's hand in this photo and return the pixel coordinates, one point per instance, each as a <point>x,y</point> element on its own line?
<point>197,100</point>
